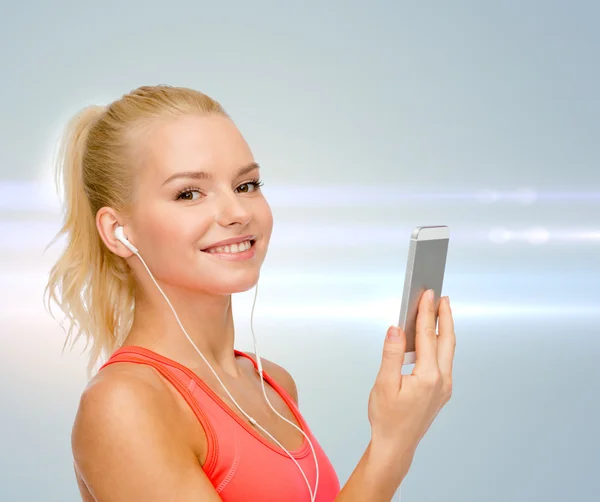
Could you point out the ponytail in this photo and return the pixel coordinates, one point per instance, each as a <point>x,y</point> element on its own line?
<point>90,285</point>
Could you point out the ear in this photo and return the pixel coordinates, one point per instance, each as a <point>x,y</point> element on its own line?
<point>107,220</point>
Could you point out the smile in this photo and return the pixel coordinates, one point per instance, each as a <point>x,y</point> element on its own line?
<point>240,251</point>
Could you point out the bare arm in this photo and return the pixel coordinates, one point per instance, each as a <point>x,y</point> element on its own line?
<point>126,449</point>
<point>378,475</point>
<point>402,407</point>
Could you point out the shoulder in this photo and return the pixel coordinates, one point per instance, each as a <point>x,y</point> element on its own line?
<point>126,443</point>
<point>116,398</point>
<point>280,375</point>
<point>122,382</point>
<point>123,403</point>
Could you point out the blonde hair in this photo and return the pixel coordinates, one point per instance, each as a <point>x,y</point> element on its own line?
<point>92,286</point>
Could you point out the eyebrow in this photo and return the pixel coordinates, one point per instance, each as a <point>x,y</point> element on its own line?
<point>201,175</point>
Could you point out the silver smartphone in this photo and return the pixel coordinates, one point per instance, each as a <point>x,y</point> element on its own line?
<point>424,270</point>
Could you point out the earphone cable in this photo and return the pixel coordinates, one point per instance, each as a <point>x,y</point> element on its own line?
<point>252,420</point>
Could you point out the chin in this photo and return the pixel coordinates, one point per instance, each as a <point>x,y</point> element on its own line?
<point>223,287</point>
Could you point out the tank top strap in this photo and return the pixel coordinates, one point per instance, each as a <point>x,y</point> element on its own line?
<point>182,383</point>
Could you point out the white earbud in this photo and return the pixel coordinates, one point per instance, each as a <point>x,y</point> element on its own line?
<point>120,235</point>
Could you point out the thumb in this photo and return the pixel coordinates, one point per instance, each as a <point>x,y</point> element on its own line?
<point>394,347</point>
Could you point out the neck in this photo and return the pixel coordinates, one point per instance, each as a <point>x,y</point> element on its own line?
<point>207,319</point>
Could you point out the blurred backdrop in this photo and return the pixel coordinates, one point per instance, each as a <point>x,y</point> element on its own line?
<point>368,118</point>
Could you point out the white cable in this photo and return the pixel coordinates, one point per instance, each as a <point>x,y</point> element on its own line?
<point>260,370</point>
<point>252,421</point>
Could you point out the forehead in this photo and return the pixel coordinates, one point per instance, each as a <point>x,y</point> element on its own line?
<point>209,143</point>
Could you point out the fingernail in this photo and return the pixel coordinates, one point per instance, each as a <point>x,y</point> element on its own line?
<point>448,300</point>
<point>393,334</point>
<point>430,295</point>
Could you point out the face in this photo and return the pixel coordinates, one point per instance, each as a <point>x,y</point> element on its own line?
<point>179,212</point>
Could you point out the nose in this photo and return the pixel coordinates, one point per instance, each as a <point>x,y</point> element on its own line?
<point>232,209</point>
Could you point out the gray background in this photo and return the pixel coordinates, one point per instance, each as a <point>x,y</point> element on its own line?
<point>369,118</point>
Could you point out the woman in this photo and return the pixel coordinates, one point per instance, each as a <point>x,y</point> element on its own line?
<point>154,183</point>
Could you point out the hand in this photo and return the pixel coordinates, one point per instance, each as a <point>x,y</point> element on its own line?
<point>402,407</point>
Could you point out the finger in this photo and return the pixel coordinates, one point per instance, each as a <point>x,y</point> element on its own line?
<point>390,371</point>
<point>446,339</point>
<point>426,337</point>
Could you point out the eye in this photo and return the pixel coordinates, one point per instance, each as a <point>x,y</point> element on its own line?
<point>255,183</point>
<point>187,194</point>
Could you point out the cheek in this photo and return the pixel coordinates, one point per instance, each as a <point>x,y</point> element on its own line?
<point>266,218</point>
<point>172,238</point>
<point>174,254</point>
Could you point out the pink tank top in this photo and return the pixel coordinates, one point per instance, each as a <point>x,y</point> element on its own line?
<point>241,464</point>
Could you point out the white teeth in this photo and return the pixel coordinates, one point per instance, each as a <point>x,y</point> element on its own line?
<point>233,249</point>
